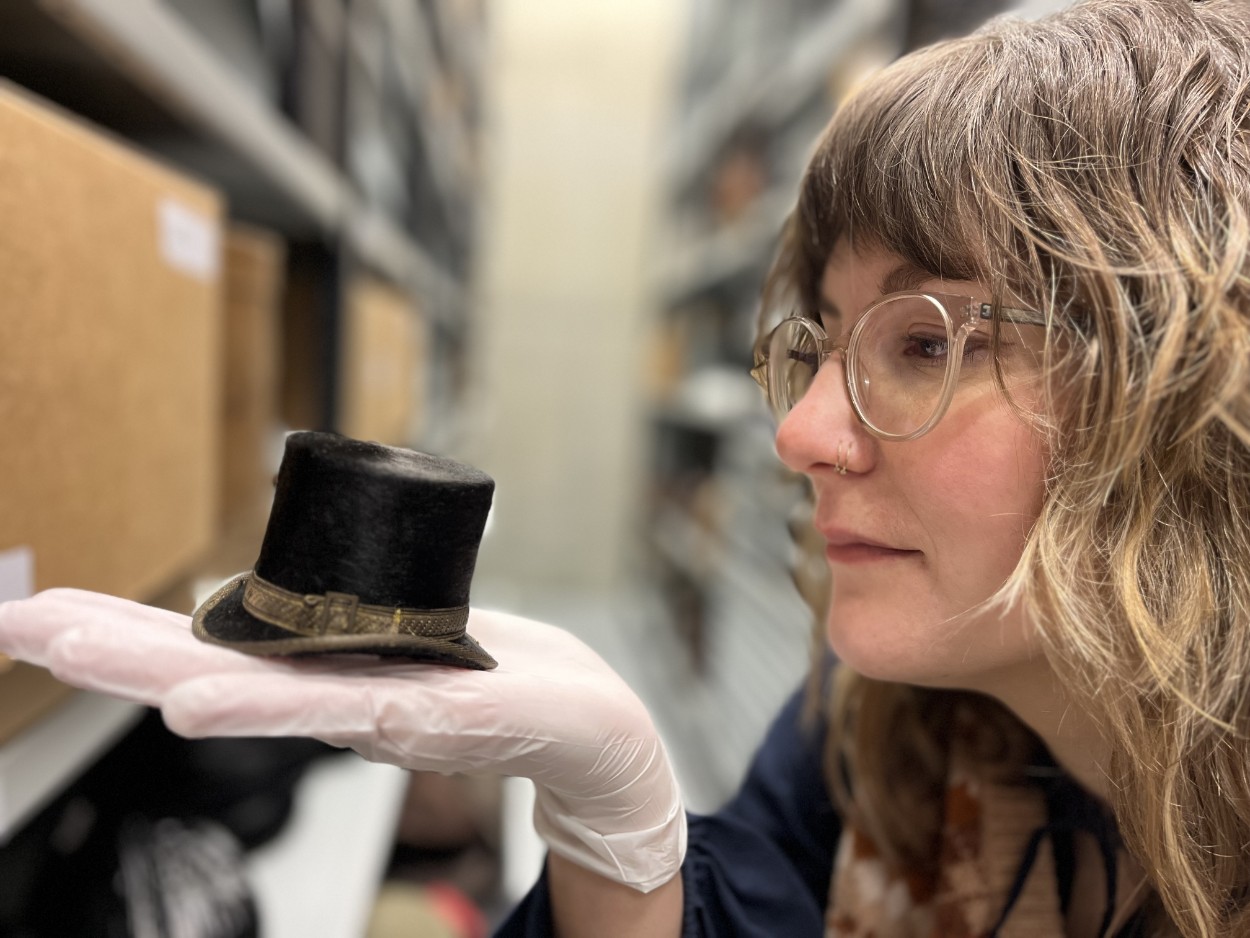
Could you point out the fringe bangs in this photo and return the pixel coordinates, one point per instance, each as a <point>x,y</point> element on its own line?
<point>892,170</point>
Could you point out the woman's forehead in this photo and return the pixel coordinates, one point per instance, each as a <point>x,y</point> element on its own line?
<point>857,274</point>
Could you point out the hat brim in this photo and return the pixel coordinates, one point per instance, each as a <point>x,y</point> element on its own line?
<point>222,620</point>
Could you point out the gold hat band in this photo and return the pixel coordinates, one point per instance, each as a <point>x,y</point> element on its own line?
<point>344,614</point>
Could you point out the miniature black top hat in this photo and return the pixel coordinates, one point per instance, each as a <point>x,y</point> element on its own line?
<point>369,549</point>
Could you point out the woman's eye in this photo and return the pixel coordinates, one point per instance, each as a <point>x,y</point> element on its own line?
<point>933,349</point>
<point>927,348</point>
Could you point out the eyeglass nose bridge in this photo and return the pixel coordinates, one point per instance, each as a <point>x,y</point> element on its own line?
<point>826,347</point>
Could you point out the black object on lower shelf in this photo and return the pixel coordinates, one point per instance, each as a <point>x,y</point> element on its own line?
<point>149,840</point>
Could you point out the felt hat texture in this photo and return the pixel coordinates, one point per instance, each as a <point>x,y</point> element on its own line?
<point>369,549</point>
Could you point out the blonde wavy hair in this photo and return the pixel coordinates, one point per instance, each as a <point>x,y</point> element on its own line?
<point>1096,165</point>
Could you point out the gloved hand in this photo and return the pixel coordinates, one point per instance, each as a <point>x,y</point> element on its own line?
<point>552,711</point>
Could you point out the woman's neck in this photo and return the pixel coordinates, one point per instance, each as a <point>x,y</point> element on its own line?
<point>1033,693</point>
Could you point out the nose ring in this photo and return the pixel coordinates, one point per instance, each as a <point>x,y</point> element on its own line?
<point>844,453</point>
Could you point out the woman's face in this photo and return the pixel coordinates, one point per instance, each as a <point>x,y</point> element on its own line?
<point>918,533</point>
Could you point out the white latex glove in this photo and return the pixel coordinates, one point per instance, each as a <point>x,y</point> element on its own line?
<point>552,711</point>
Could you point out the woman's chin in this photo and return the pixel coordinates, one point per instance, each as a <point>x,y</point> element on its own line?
<point>889,646</point>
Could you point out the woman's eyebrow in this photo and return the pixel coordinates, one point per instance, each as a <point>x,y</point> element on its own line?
<point>826,305</point>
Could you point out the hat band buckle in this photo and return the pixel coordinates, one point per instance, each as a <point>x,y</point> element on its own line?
<point>334,613</point>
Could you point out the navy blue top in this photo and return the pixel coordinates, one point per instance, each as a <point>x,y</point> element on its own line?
<point>761,866</point>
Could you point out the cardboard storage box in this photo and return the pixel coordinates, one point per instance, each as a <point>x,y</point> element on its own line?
<point>254,278</point>
<point>109,356</point>
<point>382,365</point>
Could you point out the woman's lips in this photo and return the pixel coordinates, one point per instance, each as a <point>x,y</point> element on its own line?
<point>848,547</point>
<point>861,553</point>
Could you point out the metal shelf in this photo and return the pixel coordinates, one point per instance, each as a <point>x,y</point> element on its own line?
<point>446,139</point>
<point>150,48</point>
<point>153,48</point>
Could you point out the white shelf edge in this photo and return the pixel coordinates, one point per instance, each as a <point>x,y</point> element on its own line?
<point>41,761</point>
<point>320,875</point>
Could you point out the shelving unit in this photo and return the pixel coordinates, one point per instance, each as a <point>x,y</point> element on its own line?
<point>140,69</point>
<point>768,88</point>
<point>152,73</point>
<point>445,136</point>
<point>148,47</point>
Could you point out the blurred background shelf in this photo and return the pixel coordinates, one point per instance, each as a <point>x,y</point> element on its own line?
<point>773,73</point>
<point>701,259</point>
<point>39,762</point>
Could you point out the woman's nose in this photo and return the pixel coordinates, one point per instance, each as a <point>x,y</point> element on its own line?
<point>821,429</point>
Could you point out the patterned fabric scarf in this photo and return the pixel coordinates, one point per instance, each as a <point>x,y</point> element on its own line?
<point>987,829</point>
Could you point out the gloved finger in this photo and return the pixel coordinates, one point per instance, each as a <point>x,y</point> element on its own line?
<point>422,716</point>
<point>140,661</point>
<point>28,627</point>
<point>395,714</point>
<point>267,705</point>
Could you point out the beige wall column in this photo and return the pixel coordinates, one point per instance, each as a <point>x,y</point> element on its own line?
<point>579,99</point>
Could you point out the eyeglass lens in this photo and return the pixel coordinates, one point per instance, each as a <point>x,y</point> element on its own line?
<point>899,366</point>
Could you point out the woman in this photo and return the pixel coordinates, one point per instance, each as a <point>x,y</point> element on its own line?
<point>1030,462</point>
<point>1072,550</point>
<point>1082,565</point>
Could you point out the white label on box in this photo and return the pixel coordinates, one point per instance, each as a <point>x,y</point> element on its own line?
<point>17,573</point>
<point>190,242</point>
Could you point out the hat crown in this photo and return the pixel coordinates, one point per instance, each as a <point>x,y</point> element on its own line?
<point>391,526</point>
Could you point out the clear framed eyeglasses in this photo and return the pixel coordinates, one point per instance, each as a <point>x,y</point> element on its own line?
<point>905,359</point>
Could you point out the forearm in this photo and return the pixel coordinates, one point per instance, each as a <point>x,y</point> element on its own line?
<point>586,905</point>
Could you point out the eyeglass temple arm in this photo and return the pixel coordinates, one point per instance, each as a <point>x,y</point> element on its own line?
<point>1020,317</point>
